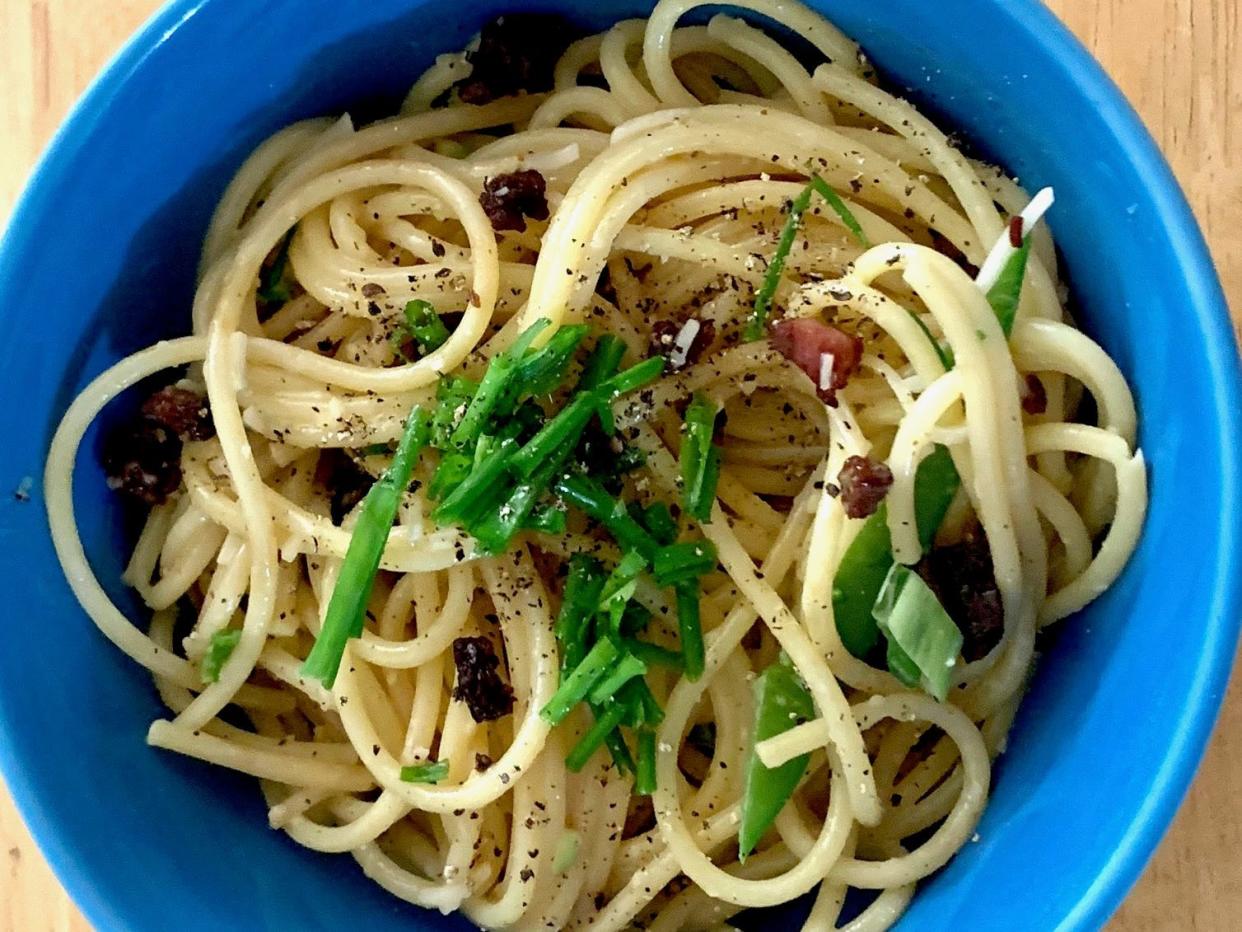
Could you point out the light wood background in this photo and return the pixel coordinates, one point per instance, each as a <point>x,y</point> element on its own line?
<point>1177,60</point>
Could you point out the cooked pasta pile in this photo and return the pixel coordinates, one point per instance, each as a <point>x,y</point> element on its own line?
<point>643,191</point>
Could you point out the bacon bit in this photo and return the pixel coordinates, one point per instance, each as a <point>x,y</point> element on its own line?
<point>142,460</point>
<point>1035,398</point>
<point>863,483</point>
<point>806,342</point>
<point>669,340</point>
<point>185,413</point>
<point>964,581</point>
<point>517,52</point>
<point>478,684</point>
<point>509,199</point>
<point>482,761</point>
<point>1015,231</point>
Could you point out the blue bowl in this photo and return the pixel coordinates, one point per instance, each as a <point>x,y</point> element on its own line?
<point>100,260</point>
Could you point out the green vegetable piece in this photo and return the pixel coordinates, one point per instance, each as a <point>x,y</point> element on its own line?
<point>685,561</point>
<point>347,607</point>
<point>781,702</point>
<point>607,718</point>
<point>430,772</point>
<point>911,616</point>
<point>659,522</point>
<point>840,209</point>
<point>425,326</point>
<point>546,520</point>
<point>1005,295</point>
<point>482,486</point>
<point>689,627</point>
<point>589,496</point>
<point>494,395</point>
<point>757,326</point>
<point>901,666</point>
<point>619,588</point>
<point>870,556</point>
<point>700,458</point>
<point>603,362</point>
<point>574,688</point>
<point>558,436</point>
<point>218,652</point>
<point>583,586</point>
<point>544,369</point>
<point>645,780</point>
<point>626,669</point>
<point>273,289</point>
<point>633,378</point>
<point>454,396</point>
<point>619,751</point>
<point>566,852</point>
<point>653,655</point>
<point>944,352</point>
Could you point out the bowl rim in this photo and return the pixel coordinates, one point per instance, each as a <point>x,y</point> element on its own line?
<point>1205,301</point>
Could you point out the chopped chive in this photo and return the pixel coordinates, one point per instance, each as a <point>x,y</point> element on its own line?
<point>454,396</point>
<point>546,520</point>
<point>944,352</point>
<point>218,652</point>
<point>425,326</point>
<point>543,370</point>
<point>758,323</point>
<point>495,390</point>
<point>1006,294</point>
<point>653,655</point>
<point>481,487</point>
<point>649,711</point>
<point>645,779</point>
<point>841,210</point>
<point>589,496</point>
<point>559,435</point>
<point>273,289</point>
<point>430,772</point>
<point>633,378</point>
<point>635,618</point>
<point>603,362</point>
<point>607,718</point>
<point>659,522</point>
<point>685,561</point>
<point>347,607</point>
<point>619,588</point>
<point>700,458</point>
<point>582,680</point>
<point>453,469</point>
<point>566,852</point>
<point>626,669</point>
<point>619,751</point>
<point>582,590</point>
<point>688,626</point>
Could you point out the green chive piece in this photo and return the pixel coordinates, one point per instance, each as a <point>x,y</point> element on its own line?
<point>219,649</point>
<point>603,362</point>
<point>566,852</point>
<point>607,718</point>
<point>543,370</point>
<point>547,520</point>
<point>273,289</point>
<point>653,655</point>
<point>944,352</point>
<point>583,586</point>
<point>756,327</point>
<point>911,616</point>
<point>347,608</point>
<point>425,326</point>
<point>454,396</point>
<point>781,702</point>
<point>1006,294</point>
<point>582,680</point>
<point>645,779</point>
<point>626,669</point>
<point>689,627</point>
<point>619,751</point>
<point>659,522</point>
<point>619,588</point>
<point>494,394</point>
<point>870,555</point>
<point>700,458</point>
<point>840,209</point>
<point>633,378</point>
<point>558,435</point>
<point>590,497</point>
<point>430,772</point>
<point>481,487</point>
<point>452,471</point>
<point>678,562</point>
<point>901,666</point>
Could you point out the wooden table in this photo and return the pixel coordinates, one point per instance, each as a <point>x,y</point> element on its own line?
<point>1178,60</point>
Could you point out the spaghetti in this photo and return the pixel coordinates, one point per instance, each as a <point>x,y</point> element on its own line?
<point>656,191</point>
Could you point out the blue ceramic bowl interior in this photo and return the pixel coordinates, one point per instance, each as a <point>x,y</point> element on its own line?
<point>100,259</point>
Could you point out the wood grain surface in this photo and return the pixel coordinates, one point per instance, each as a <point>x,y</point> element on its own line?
<point>1177,60</point>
